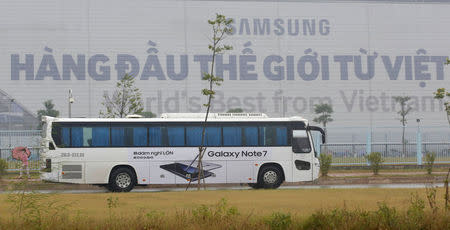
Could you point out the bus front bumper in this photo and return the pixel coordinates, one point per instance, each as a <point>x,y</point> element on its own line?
<point>49,176</point>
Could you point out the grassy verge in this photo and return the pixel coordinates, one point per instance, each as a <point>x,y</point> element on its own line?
<point>15,175</point>
<point>252,209</point>
<point>341,169</point>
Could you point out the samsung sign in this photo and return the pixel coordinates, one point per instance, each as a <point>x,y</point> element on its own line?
<point>287,56</point>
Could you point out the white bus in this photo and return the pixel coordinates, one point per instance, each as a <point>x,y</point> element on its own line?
<point>124,152</point>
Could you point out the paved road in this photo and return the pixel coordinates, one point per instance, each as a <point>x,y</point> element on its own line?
<point>354,174</point>
<point>341,186</point>
<point>149,190</point>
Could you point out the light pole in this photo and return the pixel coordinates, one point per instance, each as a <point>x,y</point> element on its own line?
<point>419,143</point>
<point>9,119</point>
<point>71,100</point>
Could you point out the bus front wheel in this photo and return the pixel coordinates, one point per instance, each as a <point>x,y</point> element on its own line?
<point>121,180</point>
<point>270,177</point>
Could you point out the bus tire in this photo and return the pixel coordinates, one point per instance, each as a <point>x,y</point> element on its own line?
<point>122,180</point>
<point>270,177</point>
<point>254,185</point>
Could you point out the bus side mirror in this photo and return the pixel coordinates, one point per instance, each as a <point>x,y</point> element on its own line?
<point>316,128</point>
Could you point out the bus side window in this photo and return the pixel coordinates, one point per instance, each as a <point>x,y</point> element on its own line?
<point>273,136</point>
<point>100,136</point>
<point>139,136</point>
<point>213,136</point>
<point>175,136</point>
<point>128,136</point>
<point>250,137</point>
<point>155,136</point>
<point>193,135</point>
<point>77,137</point>
<point>91,136</point>
<point>61,135</point>
<point>281,136</point>
<point>300,142</point>
<point>232,136</point>
<point>65,137</point>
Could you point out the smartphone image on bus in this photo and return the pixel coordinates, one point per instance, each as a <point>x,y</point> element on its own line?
<point>189,170</point>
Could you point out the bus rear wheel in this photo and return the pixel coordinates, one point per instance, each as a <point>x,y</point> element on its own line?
<point>270,177</point>
<point>122,180</point>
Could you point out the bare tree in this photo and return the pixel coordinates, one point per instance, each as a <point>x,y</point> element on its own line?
<point>126,99</point>
<point>404,110</point>
<point>221,27</point>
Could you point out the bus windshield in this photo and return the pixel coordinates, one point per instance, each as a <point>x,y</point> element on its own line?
<point>44,129</point>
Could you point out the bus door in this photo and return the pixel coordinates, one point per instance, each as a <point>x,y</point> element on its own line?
<point>303,156</point>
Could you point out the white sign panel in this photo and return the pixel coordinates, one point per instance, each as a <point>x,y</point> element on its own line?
<point>287,56</point>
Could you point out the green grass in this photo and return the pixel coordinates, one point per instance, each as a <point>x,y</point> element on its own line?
<point>18,164</point>
<point>300,201</point>
<point>15,175</point>
<point>338,169</point>
<point>252,209</point>
<point>387,160</point>
<point>363,161</point>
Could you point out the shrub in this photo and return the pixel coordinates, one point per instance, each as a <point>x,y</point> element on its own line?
<point>3,166</point>
<point>429,161</point>
<point>325,163</point>
<point>279,221</point>
<point>415,214</point>
<point>221,211</point>
<point>375,161</point>
<point>388,217</point>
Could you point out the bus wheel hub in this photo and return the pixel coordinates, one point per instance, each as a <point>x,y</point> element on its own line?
<point>270,177</point>
<point>123,180</point>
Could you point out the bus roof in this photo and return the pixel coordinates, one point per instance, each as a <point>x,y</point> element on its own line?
<point>187,117</point>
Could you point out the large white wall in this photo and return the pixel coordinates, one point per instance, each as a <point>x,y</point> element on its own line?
<point>409,40</point>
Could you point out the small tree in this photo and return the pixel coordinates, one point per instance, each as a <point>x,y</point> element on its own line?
<point>324,111</point>
<point>447,195</point>
<point>404,110</point>
<point>442,94</point>
<point>126,99</point>
<point>375,161</point>
<point>325,163</point>
<point>430,157</point>
<point>47,111</point>
<point>235,110</point>
<point>221,27</point>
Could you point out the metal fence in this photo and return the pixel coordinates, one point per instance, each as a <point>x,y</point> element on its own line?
<point>350,145</point>
<point>388,134</point>
<point>392,153</point>
<point>14,138</point>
